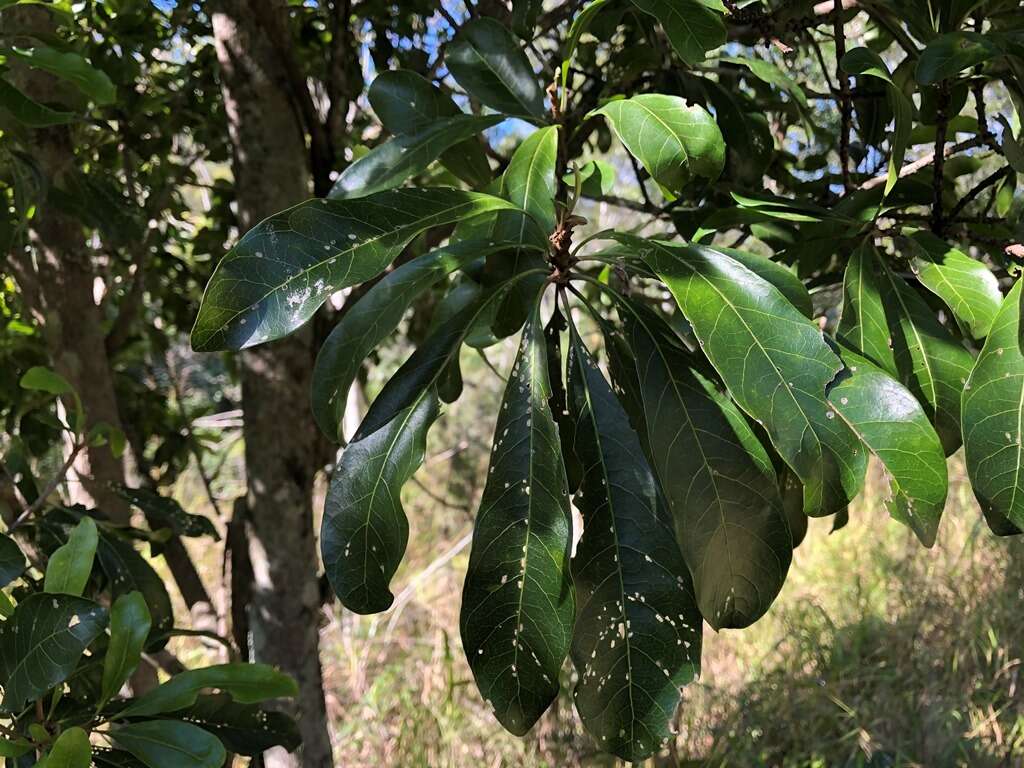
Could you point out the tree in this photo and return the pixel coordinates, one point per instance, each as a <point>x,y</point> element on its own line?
<point>741,400</point>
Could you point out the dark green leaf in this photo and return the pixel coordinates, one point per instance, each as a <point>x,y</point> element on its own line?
<point>579,25</point>
<point>12,561</point>
<point>673,140</point>
<point>245,729</point>
<point>864,61</point>
<point>558,402</point>
<point>31,113</point>
<point>950,54</point>
<point>524,17</point>
<point>967,286</point>
<point>163,510</point>
<point>406,102</point>
<point>129,628</point>
<point>163,743</point>
<point>863,324</point>
<point>993,411</point>
<point>284,268</point>
<point>774,361</point>
<point>247,684</point>
<point>518,604</point>
<point>892,424</point>
<point>40,645</point>
<point>128,571</point>
<point>70,750</point>
<point>374,317</point>
<point>389,164</point>
<point>717,478</point>
<point>780,276</point>
<point>70,565</point>
<point>488,62</point>
<point>638,631</point>
<point>692,27</point>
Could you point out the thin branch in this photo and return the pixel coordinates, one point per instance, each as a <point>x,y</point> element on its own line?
<point>923,162</point>
<point>981,186</point>
<point>845,102</point>
<point>941,125</point>
<point>51,486</point>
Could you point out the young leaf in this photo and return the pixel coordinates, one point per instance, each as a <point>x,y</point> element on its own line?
<point>162,743</point>
<point>70,565</point>
<point>993,411</point>
<point>675,142</point>
<point>71,750</point>
<point>40,645</point>
<point>892,424</point>
<point>12,561</point>
<point>717,478</point>
<point>774,361</point>
<point>247,684</point>
<point>488,62</point>
<point>129,628</point>
<point>284,268</point>
<point>638,631</point>
<point>374,317</point>
<point>967,286</point>
<point>864,61</point>
<point>692,27</point>
<point>392,162</point>
<point>518,604</point>
<point>406,102</point>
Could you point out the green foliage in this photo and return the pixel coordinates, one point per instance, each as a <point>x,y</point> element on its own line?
<point>738,389</point>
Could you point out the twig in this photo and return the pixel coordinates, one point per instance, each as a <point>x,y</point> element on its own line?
<point>51,486</point>
<point>941,125</point>
<point>923,162</point>
<point>845,103</point>
<point>981,186</point>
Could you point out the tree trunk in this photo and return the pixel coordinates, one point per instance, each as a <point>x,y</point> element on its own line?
<point>57,283</point>
<point>271,173</point>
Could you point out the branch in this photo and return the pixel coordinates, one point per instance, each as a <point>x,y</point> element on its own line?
<point>941,125</point>
<point>981,186</point>
<point>845,103</point>
<point>51,486</point>
<point>923,162</point>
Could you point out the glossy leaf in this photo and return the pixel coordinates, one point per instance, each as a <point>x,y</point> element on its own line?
<point>70,565</point>
<point>967,286</point>
<point>389,164</point>
<point>780,276</point>
<point>246,683</point>
<point>674,141</point>
<point>638,631</point>
<point>164,510</point>
<point>488,62</point>
<point>129,628</point>
<point>692,27</point>
<point>892,424</point>
<point>406,102</point>
<point>863,325</point>
<point>68,66</point>
<point>70,750</point>
<point>950,54</point>
<point>374,317</point>
<point>774,361</point>
<point>12,561</point>
<point>365,529</point>
<point>864,61</point>
<point>40,645</point>
<point>128,571</point>
<point>245,729</point>
<point>993,412</point>
<point>518,604</point>
<point>162,743</point>
<point>717,478</point>
<point>284,268</point>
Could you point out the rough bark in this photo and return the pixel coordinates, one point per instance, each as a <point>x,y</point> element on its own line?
<point>57,280</point>
<point>271,173</point>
